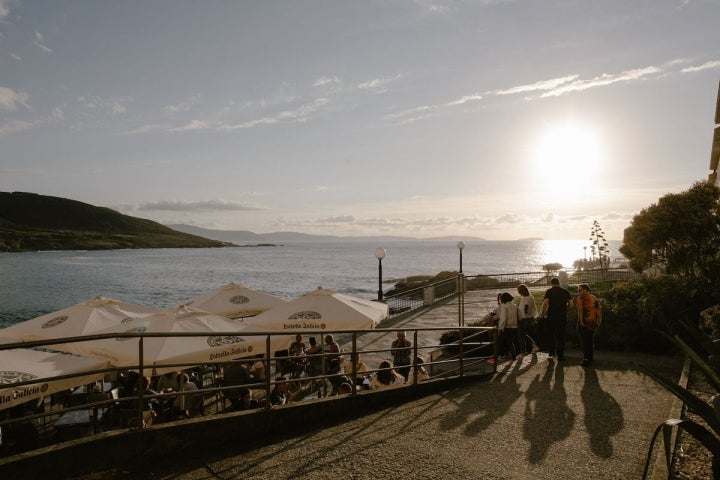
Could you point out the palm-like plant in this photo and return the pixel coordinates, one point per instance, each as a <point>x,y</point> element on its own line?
<point>706,356</point>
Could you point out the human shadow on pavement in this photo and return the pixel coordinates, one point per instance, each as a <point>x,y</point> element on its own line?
<point>548,418</point>
<point>479,409</point>
<point>603,415</point>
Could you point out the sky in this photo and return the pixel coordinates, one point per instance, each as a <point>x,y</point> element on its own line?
<point>495,119</point>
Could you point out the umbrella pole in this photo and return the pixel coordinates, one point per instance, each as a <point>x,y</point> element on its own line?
<point>268,375</point>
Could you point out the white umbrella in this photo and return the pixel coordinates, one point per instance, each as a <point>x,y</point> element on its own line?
<point>190,350</point>
<point>80,319</point>
<point>322,310</point>
<point>21,364</point>
<point>233,301</point>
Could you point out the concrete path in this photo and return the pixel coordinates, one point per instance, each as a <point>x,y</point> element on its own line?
<point>536,419</point>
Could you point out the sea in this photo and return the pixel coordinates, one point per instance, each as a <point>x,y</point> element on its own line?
<point>35,283</point>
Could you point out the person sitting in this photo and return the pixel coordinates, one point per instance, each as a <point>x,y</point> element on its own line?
<point>235,374</point>
<point>278,395</point>
<point>167,382</point>
<point>257,368</point>
<point>386,377</point>
<point>333,359</point>
<point>422,374</point>
<point>315,359</point>
<point>190,404</point>
<point>247,402</point>
<point>359,367</point>
<point>297,347</point>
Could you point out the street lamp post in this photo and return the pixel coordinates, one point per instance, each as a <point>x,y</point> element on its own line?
<point>460,246</point>
<point>461,289</point>
<point>380,254</point>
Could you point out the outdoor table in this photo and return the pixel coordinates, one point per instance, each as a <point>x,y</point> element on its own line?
<point>76,424</point>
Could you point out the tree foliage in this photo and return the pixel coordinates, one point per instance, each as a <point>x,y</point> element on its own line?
<point>599,245</point>
<point>679,235</point>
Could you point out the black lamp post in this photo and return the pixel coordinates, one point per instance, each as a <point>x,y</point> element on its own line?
<point>380,254</point>
<point>460,246</point>
<point>461,289</point>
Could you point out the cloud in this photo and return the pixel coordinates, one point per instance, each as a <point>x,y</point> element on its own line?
<point>378,84</point>
<point>325,81</point>
<point>40,43</point>
<point>4,9</point>
<point>542,85</point>
<point>338,219</point>
<point>208,205</point>
<point>475,97</point>
<point>300,114</point>
<point>193,125</point>
<point>114,106</point>
<point>705,66</point>
<point>15,126</point>
<point>9,99</point>
<point>509,218</point>
<point>602,81</point>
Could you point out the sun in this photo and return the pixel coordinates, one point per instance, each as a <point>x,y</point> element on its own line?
<point>567,157</point>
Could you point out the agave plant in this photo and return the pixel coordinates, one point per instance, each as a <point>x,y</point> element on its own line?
<point>708,362</point>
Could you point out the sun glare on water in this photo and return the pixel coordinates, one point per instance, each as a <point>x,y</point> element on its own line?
<point>567,158</point>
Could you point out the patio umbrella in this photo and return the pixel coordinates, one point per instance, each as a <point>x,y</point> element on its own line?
<point>80,319</point>
<point>231,341</point>
<point>322,310</point>
<point>21,364</point>
<point>233,301</point>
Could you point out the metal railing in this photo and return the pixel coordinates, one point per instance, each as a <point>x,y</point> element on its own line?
<point>412,300</point>
<point>466,354</point>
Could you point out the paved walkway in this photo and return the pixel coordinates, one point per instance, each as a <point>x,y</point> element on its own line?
<point>536,419</point>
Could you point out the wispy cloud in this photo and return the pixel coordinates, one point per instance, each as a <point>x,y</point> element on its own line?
<point>475,97</point>
<point>542,85</point>
<point>115,106</point>
<point>326,81</point>
<point>4,9</point>
<point>705,66</point>
<point>602,81</point>
<point>300,114</point>
<point>379,85</point>
<point>40,43</point>
<point>15,126</point>
<point>10,100</point>
<point>207,205</point>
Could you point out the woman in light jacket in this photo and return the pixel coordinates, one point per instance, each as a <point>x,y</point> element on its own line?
<point>526,326</point>
<point>508,317</point>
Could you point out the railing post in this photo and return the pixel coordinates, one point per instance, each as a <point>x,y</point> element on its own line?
<point>268,376</point>
<point>141,383</point>
<point>354,354</point>
<point>413,361</point>
<point>462,353</point>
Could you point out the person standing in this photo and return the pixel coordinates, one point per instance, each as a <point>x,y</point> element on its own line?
<point>508,317</point>
<point>589,319</point>
<point>400,350</point>
<point>554,308</point>
<point>528,312</point>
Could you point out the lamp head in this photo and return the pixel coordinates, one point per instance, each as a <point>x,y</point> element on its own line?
<point>380,253</point>
<point>460,245</point>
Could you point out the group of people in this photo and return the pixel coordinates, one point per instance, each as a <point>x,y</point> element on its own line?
<point>518,323</point>
<point>344,376</point>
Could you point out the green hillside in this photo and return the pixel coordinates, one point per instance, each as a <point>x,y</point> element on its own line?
<point>31,222</point>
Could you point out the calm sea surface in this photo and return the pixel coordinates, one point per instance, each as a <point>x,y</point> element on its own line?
<point>32,284</point>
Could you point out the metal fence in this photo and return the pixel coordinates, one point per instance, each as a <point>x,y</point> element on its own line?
<point>414,299</point>
<point>97,407</point>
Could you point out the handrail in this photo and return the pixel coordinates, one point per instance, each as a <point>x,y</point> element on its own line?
<point>271,358</point>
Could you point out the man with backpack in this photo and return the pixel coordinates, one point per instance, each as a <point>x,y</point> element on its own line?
<point>589,319</point>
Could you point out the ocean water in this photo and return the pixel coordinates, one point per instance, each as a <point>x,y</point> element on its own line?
<point>35,283</point>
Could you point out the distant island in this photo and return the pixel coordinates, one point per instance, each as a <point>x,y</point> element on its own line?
<point>32,222</point>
